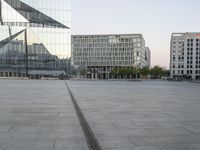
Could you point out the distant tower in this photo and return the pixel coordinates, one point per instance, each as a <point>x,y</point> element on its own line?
<point>185,55</point>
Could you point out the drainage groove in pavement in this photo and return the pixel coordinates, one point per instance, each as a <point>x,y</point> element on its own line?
<point>92,142</point>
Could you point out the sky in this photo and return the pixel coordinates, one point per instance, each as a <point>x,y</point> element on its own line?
<point>155,19</point>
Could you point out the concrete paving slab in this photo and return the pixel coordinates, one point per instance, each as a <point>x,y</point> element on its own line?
<point>36,115</point>
<point>123,115</point>
<point>149,115</point>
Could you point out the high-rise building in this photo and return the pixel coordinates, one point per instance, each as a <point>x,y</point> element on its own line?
<point>100,54</point>
<point>148,56</point>
<point>34,37</point>
<point>185,56</point>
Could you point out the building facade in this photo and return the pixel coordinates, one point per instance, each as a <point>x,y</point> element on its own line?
<point>185,56</point>
<point>100,54</point>
<point>148,56</point>
<point>35,37</point>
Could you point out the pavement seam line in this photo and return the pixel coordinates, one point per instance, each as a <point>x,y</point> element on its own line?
<point>54,142</point>
<point>9,129</point>
<point>92,141</point>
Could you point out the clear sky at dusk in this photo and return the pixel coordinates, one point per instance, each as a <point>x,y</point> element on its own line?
<point>155,19</point>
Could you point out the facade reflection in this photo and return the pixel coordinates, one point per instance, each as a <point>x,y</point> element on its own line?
<point>35,38</point>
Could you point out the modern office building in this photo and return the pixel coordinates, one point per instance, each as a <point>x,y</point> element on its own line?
<point>185,56</point>
<point>148,56</point>
<point>34,37</point>
<point>100,54</point>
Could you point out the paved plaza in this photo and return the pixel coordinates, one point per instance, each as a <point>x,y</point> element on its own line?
<point>123,115</point>
<point>38,115</point>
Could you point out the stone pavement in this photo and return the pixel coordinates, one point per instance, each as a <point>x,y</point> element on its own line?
<point>38,115</point>
<point>149,115</point>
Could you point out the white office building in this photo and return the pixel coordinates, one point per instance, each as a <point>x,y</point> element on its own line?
<point>185,56</point>
<point>100,54</point>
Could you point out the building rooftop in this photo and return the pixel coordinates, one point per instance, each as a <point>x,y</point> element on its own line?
<point>196,34</point>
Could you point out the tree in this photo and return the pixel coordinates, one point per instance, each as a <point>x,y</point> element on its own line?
<point>121,71</point>
<point>157,72</point>
<point>115,71</point>
<point>135,71</point>
<point>145,71</point>
<point>129,71</point>
<point>124,72</point>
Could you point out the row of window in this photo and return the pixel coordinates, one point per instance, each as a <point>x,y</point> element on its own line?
<point>181,72</point>
<point>107,40</point>
<point>188,53</point>
<point>104,45</point>
<point>100,50</point>
<point>191,49</point>
<point>86,54</point>
<point>192,40</point>
<point>112,63</point>
<point>29,24</point>
<point>182,58</point>
<point>104,37</point>
<point>191,44</point>
<point>188,66</point>
<point>103,58</point>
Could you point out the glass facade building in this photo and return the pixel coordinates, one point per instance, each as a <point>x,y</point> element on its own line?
<point>35,37</point>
